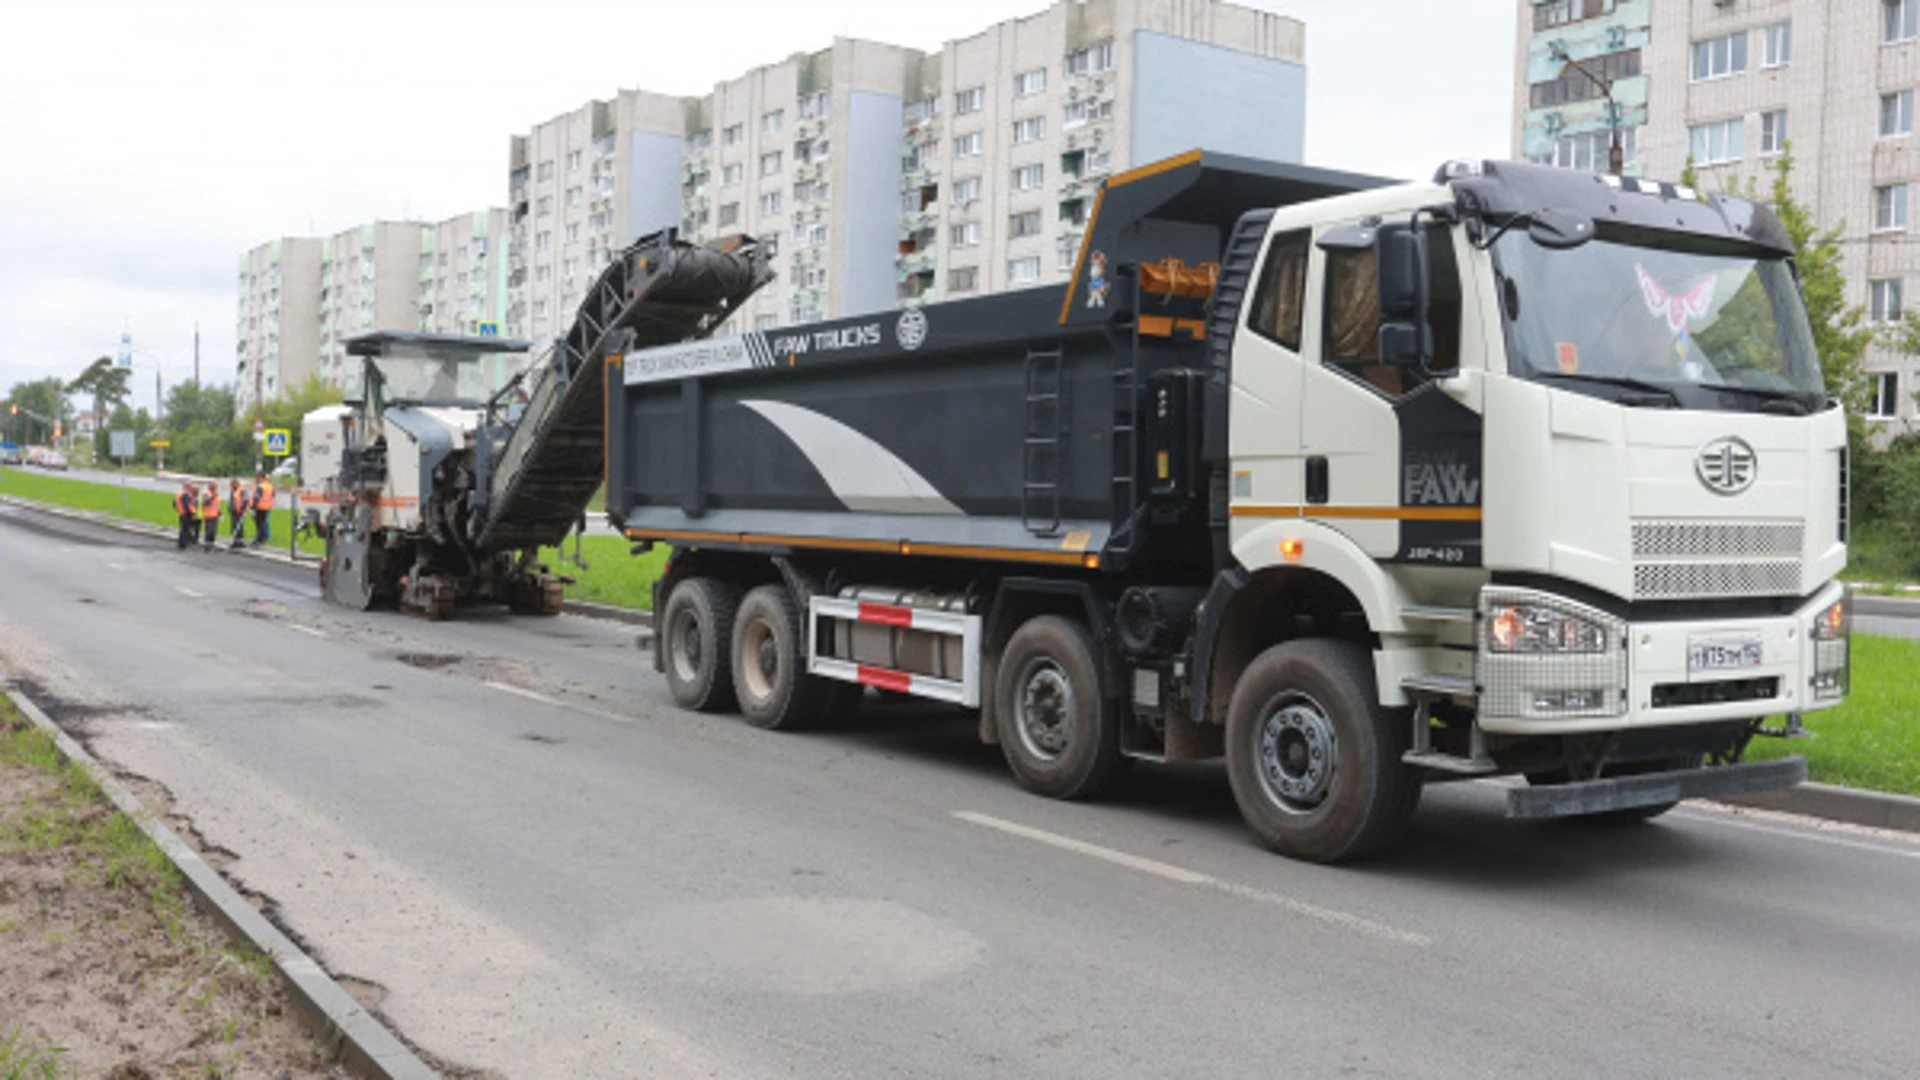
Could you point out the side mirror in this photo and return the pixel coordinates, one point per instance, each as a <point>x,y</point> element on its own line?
<point>1558,230</point>
<point>1349,237</point>
<point>1402,269</point>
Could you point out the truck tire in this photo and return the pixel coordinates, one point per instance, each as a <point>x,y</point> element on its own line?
<point>1632,814</point>
<point>769,664</point>
<point>1313,758</point>
<point>696,634</point>
<point>1057,734</point>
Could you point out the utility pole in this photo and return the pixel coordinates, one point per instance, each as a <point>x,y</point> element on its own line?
<point>1616,155</point>
<point>196,352</point>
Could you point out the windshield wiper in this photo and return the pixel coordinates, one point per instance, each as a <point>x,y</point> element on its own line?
<point>1650,393</point>
<point>1794,398</point>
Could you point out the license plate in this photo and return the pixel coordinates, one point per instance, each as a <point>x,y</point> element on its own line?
<point>1724,654</point>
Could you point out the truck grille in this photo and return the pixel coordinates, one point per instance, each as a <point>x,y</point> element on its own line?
<point>1685,559</point>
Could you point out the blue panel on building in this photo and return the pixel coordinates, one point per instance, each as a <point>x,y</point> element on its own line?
<point>871,149</point>
<point>1187,95</point>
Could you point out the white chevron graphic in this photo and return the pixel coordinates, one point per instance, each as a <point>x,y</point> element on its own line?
<point>862,474</point>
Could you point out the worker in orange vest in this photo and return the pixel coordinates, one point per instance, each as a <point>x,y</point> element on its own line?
<point>186,507</point>
<point>262,509</point>
<point>237,502</point>
<point>209,516</point>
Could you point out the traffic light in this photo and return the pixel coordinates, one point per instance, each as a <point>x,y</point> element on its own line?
<point>14,408</point>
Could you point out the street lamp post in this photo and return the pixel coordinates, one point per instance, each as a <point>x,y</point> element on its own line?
<point>1616,155</point>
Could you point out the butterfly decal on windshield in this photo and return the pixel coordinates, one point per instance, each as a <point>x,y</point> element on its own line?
<point>1677,308</point>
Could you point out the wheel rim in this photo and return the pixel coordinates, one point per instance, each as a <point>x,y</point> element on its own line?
<point>760,666</point>
<point>685,653</point>
<point>1296,754</point>
<point>1044,710</point>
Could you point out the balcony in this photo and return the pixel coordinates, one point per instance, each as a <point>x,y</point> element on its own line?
<point>918,262</point>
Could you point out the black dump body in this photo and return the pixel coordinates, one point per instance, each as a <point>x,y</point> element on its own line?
<point>1057,425</point>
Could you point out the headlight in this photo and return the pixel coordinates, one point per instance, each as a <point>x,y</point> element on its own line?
<point>1528,628</point>
<point>1832,624</point>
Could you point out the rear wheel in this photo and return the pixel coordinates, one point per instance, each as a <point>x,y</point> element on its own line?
<point>1313,758</point>
<point>1057,734</point>
<point>769,664</point>
<point>695,631</point>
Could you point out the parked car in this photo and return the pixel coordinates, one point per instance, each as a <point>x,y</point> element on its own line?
<point>54,459</point>
<point>9,454</point>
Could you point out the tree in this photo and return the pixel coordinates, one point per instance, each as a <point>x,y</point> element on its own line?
<point>46,397</point>
<point>198,405</point>
<point>1840,331</point>
<point>106,384</point>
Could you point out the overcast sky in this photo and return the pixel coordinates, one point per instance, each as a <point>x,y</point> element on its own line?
<point>144,145</point>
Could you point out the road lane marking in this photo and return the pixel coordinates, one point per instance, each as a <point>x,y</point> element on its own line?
<point>116,566</point>
<point>1732,822</point>
<point>189,592</point>
<point>528,694</point>
<point>305,629</point>
<point>1184,876</point>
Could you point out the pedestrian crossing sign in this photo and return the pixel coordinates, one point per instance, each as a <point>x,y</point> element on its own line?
<point>279,442</point>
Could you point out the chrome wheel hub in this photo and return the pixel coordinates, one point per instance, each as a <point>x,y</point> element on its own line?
<point>1296,754</point>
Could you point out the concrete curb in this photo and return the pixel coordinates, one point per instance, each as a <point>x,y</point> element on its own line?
<point>1873,808</point>
<point>630,616</point>
<point>364,1046</point>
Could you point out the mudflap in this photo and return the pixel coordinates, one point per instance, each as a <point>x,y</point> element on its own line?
<point>1652,789</point>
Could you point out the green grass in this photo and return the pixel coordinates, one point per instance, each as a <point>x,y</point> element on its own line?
<point>613,575</point>
<point>151,507</point>
<point>1871,740</point>
<point>1884,554</point>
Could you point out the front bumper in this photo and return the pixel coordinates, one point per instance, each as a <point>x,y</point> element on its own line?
<point>1645,678</point>
<point>1653,789</point>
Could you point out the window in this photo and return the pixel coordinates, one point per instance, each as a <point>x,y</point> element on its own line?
<point>970,101</point>
<point>812,277</point>
<point>1554,13</point>
<point>810,235</point>
<point>924,109</point>
<point>546,205</point>
<point>771,122</point>
<point>968,145</point>
<point>1029,82</point>
<point>574,193</point>
<point>1721,56</point>
<point>813,105</point>
<point>1589,151</point>
<point>766,322</point>
<point>770,163</point>
<point>546,169</point>
<point>1031,129</point>
<point>1776,44</point>
<point>966,234</point>
<point>699,140</point>
<point>769,202</point>
<point>542,241</point>
<point>729,213</point>
<point>1029,177</point>
<point>1574,85</point>
<point>732,134</point>
<point>1073,212</point>
<point>1713,143</point>
<point>1352,316</point>
<point>573,232</point>
<point>539,309</point>
<point>573,159</point>
<point>1890,208</point>
<point>1885,386</point>
<point>1021,271</point>
<point>730,174</point>
<point>963,279</point>
<point>966,191</point>
<point>1883,300</point>
<point>1773,131</point>
<point>1091,60</point>
<point>1896,114</point>
<point>1024,223</point>
<point>1281,302</point>
<point>1902,21</point>
<point>1086,111</point>
<point>542,273</point>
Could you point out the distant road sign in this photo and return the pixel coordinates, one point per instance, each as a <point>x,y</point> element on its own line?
<point>279,442</point>
<point>161,443</point>
<point>486,329</point>
<point>120,443</point>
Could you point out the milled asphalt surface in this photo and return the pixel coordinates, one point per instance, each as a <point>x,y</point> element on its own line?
<point>504,824</point>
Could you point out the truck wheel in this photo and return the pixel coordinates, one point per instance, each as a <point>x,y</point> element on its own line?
<point>1055,730</point>
<point>769,664</point>
<point>1631,814</point>
<point>696,629</point>
<point>1313,758</point>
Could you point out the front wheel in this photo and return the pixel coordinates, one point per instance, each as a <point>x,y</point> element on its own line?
<point>1313,758</point>
<point>1057,734</point>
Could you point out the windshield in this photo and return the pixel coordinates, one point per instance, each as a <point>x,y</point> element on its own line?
<point>419,376</point>
<point>1707,331</point>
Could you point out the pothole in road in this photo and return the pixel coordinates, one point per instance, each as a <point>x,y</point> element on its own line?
<point>544,740</point>
<point>429,661</point>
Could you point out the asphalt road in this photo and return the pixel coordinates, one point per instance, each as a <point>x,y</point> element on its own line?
<point>545,870</point>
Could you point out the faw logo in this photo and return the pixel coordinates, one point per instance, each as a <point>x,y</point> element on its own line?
<point>1727,466</point>
<point>1439,483</point>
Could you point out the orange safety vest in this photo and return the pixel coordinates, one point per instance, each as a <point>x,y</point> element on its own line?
<point>263,495</point>
<point>239,500</point>
<point>210,506</point>
<point>183,503</point>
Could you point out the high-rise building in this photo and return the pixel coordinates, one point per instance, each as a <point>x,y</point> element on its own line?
<point>463,274</point>
<point>883,175</point>
<point>277,332</point>
<point>369,280</point>
<point>1728,86</point>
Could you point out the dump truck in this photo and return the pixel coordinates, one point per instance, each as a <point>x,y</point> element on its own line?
<point>1359,485</point>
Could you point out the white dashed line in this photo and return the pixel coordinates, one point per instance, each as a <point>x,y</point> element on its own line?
<point>1190,877</point>
<point>528,694</point>
<point>305,629</point>
<point>184,591</point>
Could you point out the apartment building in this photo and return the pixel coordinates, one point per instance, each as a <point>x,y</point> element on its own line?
<point>369,280</point>
<point>1727,85</point>
<point>463,274</point>
<point>277,328</point>
<point>883,174</point>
